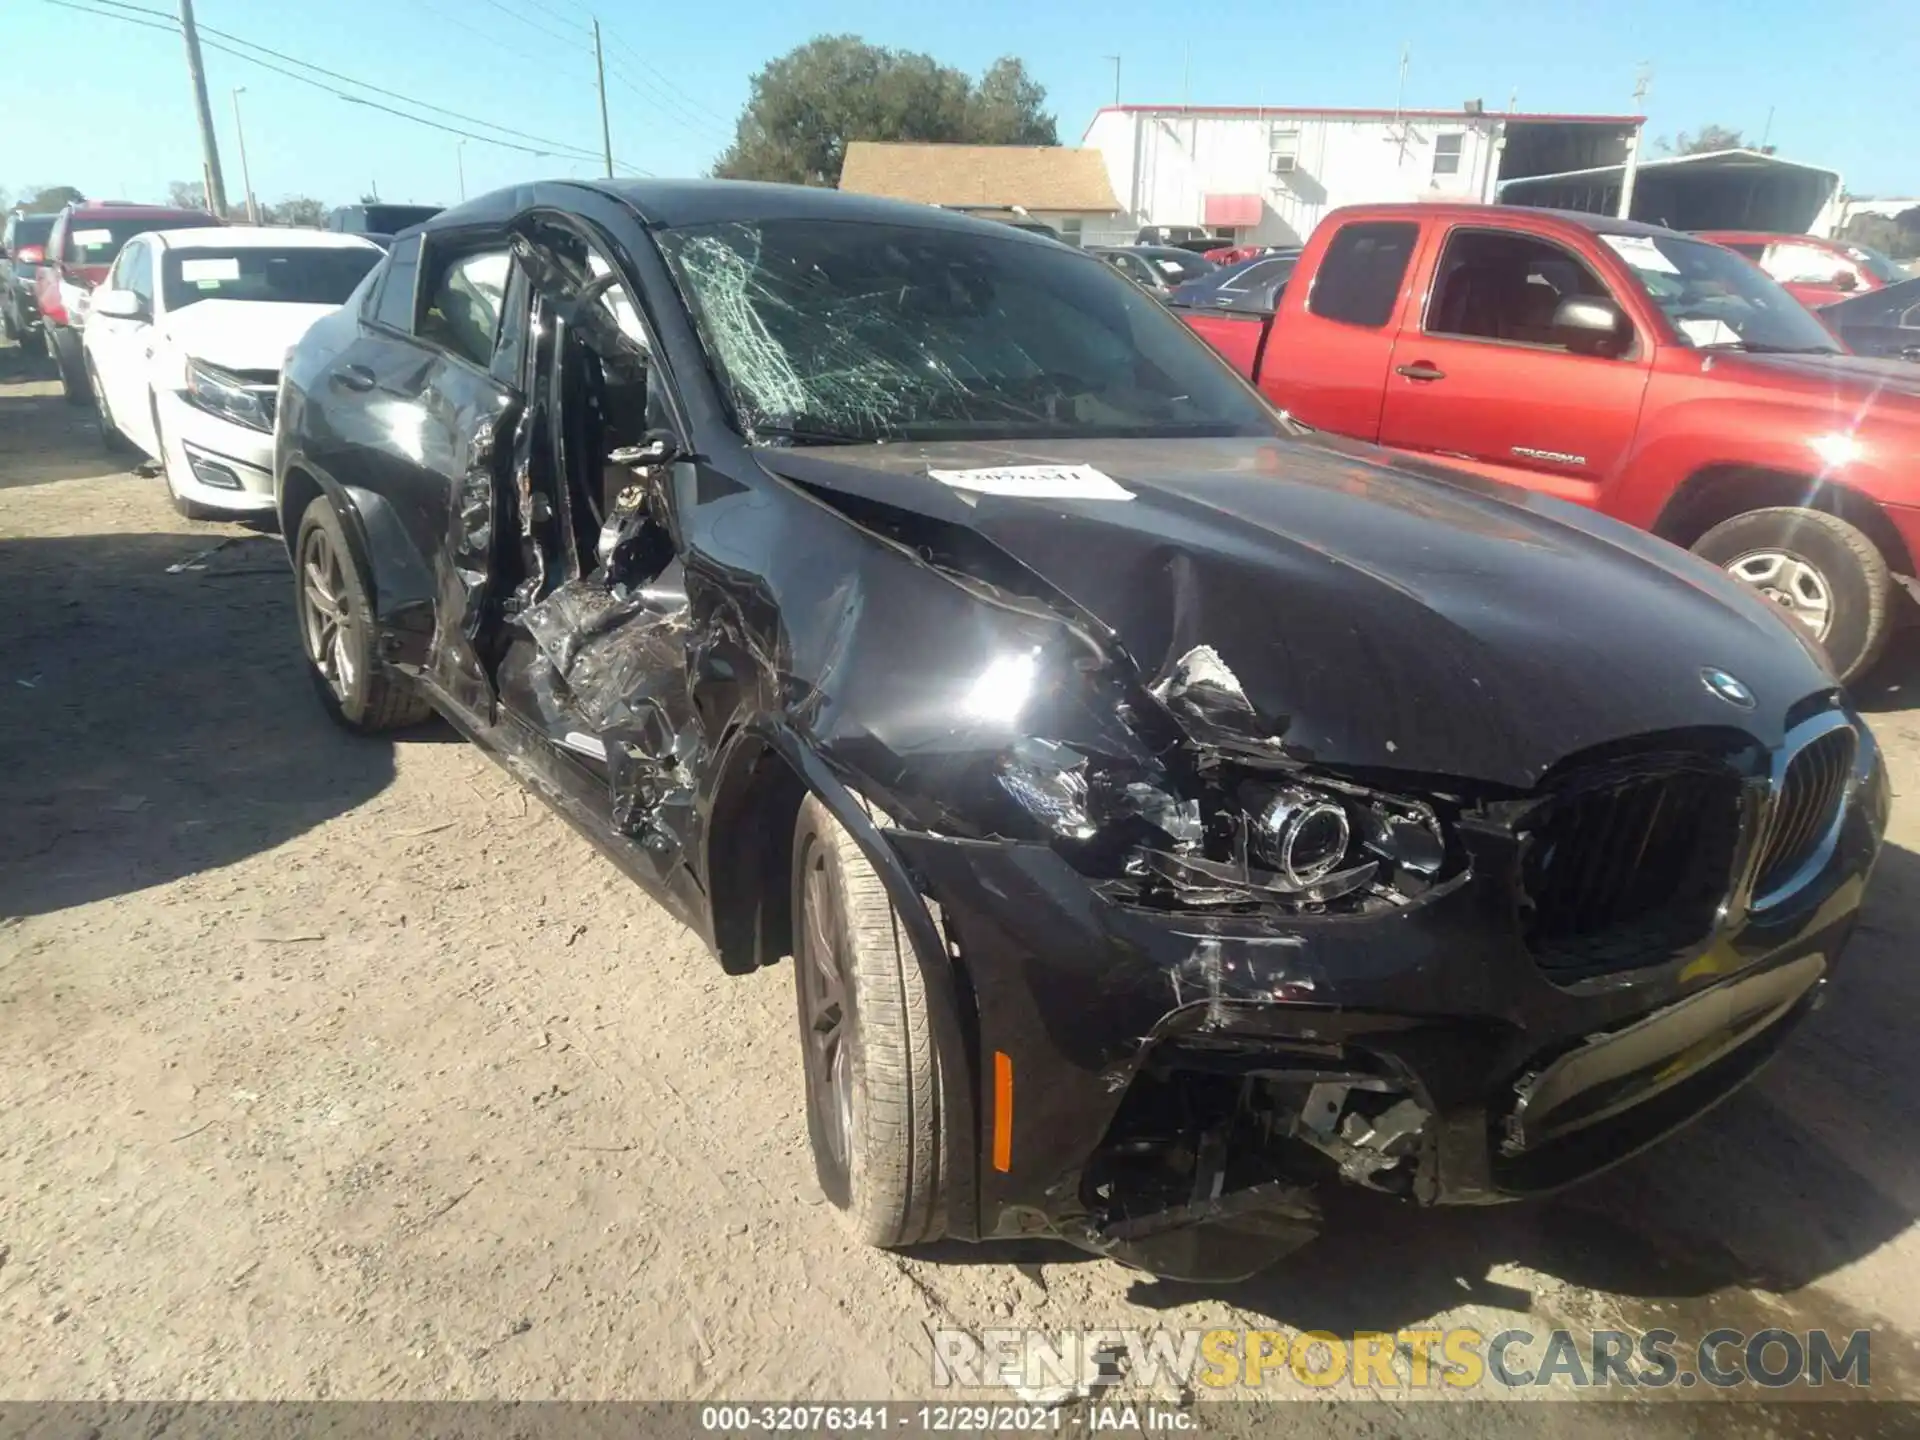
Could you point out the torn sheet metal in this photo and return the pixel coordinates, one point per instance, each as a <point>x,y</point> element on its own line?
<point>1208,699</point>
<point>620,660</point>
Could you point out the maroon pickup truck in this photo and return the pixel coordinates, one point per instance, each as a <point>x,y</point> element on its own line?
<point>1652,376</point>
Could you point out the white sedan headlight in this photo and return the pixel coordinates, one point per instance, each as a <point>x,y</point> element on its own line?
<point>228,396</point>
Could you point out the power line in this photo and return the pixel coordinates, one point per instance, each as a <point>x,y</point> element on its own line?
<point>531,24</point>
<point>552,151</point>
<point>163,21</point>
<point>691,126</point>
<point>552,145</point>
<point>665,83</point>
<point>173,26</point>
<point>549,10</point>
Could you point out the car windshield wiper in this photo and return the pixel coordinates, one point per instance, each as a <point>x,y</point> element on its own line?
<point>1761,347</point>
<point>807,435</point>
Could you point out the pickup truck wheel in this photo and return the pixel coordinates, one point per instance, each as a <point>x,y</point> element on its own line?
<point>73,374</point>
<point>1822,571</point>
<point>336,631</point>
<point>874,1111</point>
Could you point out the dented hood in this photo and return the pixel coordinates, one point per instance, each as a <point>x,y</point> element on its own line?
<point>1380,617</point>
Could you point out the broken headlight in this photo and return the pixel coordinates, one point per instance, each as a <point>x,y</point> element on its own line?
<point>1225,840</point>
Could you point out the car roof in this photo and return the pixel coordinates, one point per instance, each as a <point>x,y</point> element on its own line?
<point>1464,210</point>
<point>1743,237</point>
<point>249,237</point>
<point>118,210</point>
<point>672,204</point>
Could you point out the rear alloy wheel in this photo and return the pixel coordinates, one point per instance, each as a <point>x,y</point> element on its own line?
<point>336,631</point>
<point>73,373</point>
<point>111,440</point>
<point>875,1113</point>
<point>1823,572</point>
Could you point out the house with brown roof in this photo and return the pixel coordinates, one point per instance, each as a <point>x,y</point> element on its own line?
<point>1065,188</point>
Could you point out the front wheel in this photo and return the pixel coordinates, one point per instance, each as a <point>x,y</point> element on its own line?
<point>337,630</point>
<point>1822,571</point>
<point>875,1113</point>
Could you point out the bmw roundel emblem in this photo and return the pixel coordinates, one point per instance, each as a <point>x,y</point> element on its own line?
<point>1729,689</point>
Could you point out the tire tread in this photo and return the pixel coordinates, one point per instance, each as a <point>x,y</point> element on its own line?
<point>899,1171</point>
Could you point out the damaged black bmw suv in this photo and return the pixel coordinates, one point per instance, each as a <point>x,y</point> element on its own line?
<point>1168,815</point>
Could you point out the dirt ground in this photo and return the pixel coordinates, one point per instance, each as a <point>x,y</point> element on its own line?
<point>339,1068</point>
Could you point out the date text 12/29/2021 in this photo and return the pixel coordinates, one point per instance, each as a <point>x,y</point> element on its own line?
<point>961,1419</point>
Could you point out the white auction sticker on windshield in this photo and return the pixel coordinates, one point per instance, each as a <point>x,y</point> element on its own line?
<point>1702,334</point>
<point>214,267</point>
<point>88,239</point>
<point>1641,253</point>
<point>1037,482</point>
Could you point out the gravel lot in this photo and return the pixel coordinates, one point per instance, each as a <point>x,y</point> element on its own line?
<point>337,1068</point>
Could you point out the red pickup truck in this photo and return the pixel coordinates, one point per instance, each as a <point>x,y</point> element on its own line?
<point>1654,377</point>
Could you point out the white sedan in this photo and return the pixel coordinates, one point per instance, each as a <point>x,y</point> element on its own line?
<point>184,344</point>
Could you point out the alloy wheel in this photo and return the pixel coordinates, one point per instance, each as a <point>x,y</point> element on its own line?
<point>1791,583</point>
<point>326,612</point>
<point>826,1015</point>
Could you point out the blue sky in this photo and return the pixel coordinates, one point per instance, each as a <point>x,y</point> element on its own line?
<point>112,103</point>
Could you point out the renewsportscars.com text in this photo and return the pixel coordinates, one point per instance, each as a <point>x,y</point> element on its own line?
<point>1458,1359</point>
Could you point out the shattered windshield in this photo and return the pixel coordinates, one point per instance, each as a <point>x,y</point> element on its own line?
<point>832,332</point>
<point>1715,299</point>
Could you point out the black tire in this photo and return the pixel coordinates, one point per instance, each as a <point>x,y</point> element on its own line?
<point>67,360</point>
<point>111,440</point>
<point>360,693</point>
<point>878,1133</point>
<point>1846,566</point>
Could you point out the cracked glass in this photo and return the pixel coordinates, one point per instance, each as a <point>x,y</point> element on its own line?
<point>825,332</point>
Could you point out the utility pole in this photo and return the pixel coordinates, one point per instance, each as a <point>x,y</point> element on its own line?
<point>1630,166</point>
<point>1116,78</point>
<point>246,175</point>
<point>460,163</point>
<point>209,147</point>
<point>600,72</point>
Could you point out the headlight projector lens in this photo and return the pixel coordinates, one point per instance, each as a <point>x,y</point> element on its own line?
<point>1302,835</point>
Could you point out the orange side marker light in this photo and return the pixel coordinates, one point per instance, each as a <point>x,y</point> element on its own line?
<point>1002,1111</point>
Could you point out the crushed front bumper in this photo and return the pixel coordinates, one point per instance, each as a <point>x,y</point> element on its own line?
<point>1096,1026</point>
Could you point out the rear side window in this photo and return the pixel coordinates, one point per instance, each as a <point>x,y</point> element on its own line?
<point>463,310</point>
<point>1361,271</point>
<point>394,308</point>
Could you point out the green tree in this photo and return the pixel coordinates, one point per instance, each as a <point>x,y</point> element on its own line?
<point>298,210</point>
<point>807,105</point>
<point>1007,105</point>
<point>37,198</point>
<point>1700,142</point>
<point>186,194</point>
